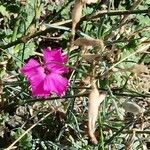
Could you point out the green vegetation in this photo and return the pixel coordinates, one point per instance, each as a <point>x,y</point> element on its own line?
<point>121,67</point>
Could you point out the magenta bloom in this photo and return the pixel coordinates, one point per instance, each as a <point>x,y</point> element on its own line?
<point>48,77</point>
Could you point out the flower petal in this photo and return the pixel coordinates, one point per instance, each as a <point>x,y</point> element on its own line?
<point>52,55</point>
<point>32,68</point>
<point>35,75</point>
<point>54,60</point>
<point>56,83</point>
<point>37,87</point>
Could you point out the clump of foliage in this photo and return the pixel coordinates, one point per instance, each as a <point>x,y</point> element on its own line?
<point>107,103</point>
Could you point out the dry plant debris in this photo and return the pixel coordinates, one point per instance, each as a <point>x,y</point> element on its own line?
<point>139,68</point>
<point>89,1</point>
<point>95,98</point>
<point>76,14</point>
<point>132,107</point>
<point>89,42</point>
<point>90,58</point>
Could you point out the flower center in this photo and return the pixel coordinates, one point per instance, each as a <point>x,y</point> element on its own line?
<point>46,71</point>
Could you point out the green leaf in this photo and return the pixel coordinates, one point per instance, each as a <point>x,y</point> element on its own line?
<point>26,141</point>
<point>13,8</point>
<point>3,11</point>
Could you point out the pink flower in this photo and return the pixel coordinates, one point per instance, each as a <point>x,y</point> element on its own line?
<point>47,78</point>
